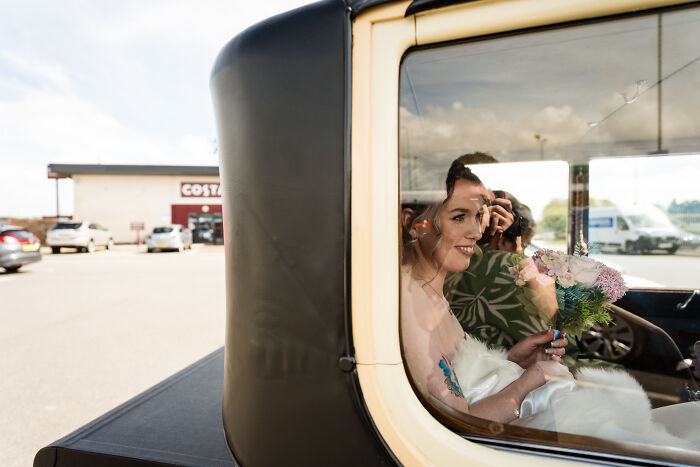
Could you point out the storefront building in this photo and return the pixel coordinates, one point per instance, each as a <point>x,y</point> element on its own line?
<point>125,198</point>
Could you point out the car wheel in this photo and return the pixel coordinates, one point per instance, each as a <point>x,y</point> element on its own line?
<point>150,250</point>
<point>613,343</point>
<point>110,244</point>
<point>11,269</point>
<point>55,250</point>
<point>90,247</point>
<point>631,248</point>
<point>672,250</point>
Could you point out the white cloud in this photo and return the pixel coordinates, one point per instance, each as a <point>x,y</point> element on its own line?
<point>108,82</point>
<point>39,73</point>
<point>459,130</point>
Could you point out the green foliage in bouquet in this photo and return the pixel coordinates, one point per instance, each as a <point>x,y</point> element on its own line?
<point>580,308</point>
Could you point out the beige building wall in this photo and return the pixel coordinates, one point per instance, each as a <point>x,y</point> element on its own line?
<point>115,201</point>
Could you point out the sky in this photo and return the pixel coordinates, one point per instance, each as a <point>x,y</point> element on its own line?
<point>127,82</point>
<point>558,98</point>
<point>99,81</point>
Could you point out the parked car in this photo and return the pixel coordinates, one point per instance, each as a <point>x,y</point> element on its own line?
<point>633,229</point>
<point>169,237</point>
<point>690,240</point>
<point>18,247</point>
<point>204,234</point>
<point>85,236</point>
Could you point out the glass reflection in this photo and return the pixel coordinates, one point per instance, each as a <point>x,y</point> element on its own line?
<point>590,133</point>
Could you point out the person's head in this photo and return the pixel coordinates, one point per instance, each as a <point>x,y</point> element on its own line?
<point>444,235</point>
<point>526,220</point>
<point>459,170</point>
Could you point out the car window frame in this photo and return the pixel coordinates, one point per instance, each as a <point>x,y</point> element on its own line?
<point>379,41</point>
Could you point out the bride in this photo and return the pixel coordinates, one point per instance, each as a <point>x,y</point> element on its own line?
<point>442,239</point>
<point>521,386</point>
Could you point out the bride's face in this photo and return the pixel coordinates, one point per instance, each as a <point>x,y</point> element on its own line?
<point>462,220</point>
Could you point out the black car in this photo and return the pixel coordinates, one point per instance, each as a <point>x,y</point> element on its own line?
<point>18,247</point>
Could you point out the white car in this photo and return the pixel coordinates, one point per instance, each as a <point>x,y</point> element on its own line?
<point>85,236</point>
<point>169,237</point>
<point>632,229</point>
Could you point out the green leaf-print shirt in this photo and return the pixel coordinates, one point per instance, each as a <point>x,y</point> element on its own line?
<point>484,300</point>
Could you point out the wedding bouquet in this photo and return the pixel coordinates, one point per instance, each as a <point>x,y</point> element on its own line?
<point>583,288</point>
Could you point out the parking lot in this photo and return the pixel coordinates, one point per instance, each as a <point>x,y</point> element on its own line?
<point>82,333</point>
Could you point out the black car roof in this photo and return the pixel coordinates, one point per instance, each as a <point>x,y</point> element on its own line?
<point>358,6</point>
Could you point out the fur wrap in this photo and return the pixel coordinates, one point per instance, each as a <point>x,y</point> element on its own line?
<point>605,403</point>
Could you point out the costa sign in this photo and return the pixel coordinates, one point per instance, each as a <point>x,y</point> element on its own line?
<point>200,190</point>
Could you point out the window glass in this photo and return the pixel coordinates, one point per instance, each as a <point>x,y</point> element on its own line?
<point>621,224</point>
<point>19,234</point>
<point>66,225</point>
<point>581,140</point>
<point>657,203</point>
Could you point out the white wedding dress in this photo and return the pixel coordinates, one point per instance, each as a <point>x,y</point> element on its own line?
<point>605,403</point>
<point>602,403</point>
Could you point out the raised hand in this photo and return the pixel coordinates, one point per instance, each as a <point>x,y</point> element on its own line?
<point>501,215</point>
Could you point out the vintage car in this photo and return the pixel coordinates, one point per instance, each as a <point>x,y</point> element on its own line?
<point>327,117</point>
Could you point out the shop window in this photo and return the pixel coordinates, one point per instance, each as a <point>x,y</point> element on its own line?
<point>561,128</point>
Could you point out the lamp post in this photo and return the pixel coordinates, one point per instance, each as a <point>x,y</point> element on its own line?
<point>541,140</point>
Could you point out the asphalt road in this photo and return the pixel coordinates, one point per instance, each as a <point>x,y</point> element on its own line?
<point>82,333</point>
<point>681,270</point>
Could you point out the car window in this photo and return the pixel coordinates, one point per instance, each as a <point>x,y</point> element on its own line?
<point>93,227</point>
<point>67,225</point>
<point>18,234</point>
<point>621,223</point>
<point>658,200</point>
<point>162,230</point>
<point>578,140</point>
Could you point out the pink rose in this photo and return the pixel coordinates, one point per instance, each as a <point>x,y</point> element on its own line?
<point>584,270</point>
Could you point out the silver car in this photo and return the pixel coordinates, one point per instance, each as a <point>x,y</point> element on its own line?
<point>169,237</point>
<point>85,236</point>
<point>18,247</point>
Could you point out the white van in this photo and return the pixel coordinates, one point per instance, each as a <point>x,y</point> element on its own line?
<point>632,229</point>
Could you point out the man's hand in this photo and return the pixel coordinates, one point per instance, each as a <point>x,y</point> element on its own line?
<point>501,215</point>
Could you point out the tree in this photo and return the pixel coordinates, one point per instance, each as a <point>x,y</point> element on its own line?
<point>555,215</point>
<point>554,218</point>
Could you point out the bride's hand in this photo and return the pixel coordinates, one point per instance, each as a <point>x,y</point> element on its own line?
<point>534,348</point>
<point>545,371</point>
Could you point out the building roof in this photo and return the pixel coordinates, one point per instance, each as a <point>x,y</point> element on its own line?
<point>67,170</point>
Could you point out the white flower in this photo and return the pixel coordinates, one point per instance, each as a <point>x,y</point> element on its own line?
<point>566,280</point>
<point>584,270</point>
